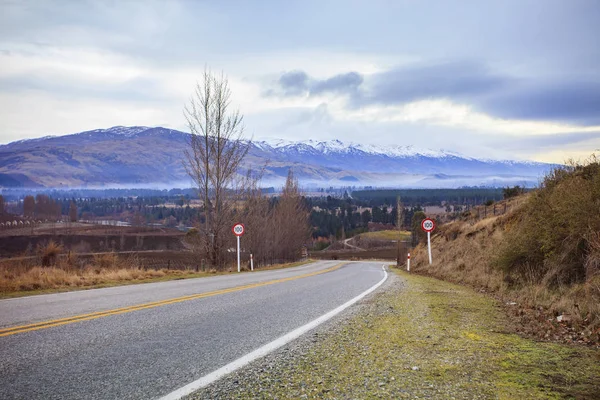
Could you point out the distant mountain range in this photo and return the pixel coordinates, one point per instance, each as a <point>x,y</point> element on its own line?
<point>153,157</point>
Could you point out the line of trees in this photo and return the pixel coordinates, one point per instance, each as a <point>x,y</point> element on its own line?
<point>429,197</point>
<point>41,206</point>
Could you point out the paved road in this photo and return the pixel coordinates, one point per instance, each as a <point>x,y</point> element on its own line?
<point>147,353</point>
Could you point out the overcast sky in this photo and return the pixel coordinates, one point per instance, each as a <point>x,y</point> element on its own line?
<point>503,79</point>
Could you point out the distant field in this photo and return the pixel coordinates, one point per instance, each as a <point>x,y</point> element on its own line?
<point>386,235</point>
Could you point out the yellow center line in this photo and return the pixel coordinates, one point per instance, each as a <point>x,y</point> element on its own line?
<point>95,315</point>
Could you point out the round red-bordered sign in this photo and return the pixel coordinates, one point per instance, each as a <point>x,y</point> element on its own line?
<point>428,225</point>
<point>238,229</point>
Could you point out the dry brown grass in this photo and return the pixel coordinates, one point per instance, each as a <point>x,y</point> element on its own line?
<point>43,278</point>
<point>467,252</point>
<point>71,272</point>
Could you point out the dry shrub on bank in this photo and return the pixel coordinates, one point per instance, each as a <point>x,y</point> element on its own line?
<point>554,239</point>
<point>49,253</point>
<point>543,254</point>
<point>106,261</point>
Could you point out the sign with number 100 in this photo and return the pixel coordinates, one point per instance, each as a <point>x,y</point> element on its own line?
<point>238,229</point>
<point>428,225</point>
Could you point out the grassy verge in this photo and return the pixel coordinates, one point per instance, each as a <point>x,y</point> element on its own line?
<point>433,339</point>
<point>386,235</point>
<point>47,280</point>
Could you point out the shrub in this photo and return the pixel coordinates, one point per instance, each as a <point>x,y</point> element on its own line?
<point>512,192</point>
<point>49,253</point>
<point>554,239</point>
<point>106,261</point>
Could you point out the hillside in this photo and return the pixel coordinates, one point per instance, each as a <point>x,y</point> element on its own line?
<point>141,156</point>
<point>542,257</point>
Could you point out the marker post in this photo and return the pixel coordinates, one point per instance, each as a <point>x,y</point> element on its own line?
<point>428,245</point>
<point>238,253</point>
<point>408,263</point>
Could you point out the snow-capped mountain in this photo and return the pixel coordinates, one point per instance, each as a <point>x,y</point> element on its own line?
<point>337,146</point>
<point>146,156</point>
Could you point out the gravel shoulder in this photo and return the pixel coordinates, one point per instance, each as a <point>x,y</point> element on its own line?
<point>417,337</point>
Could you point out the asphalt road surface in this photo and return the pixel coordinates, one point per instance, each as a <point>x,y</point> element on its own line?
<point>145,341</point>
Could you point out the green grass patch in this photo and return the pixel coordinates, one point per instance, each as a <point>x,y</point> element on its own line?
<point>387,235</point>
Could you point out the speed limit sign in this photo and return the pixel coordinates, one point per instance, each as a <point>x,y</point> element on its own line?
<point>428,225</point>
<point>238,229</point>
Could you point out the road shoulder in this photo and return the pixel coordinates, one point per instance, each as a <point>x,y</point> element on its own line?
<point>419,337</point>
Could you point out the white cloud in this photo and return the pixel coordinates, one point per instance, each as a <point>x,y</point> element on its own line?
<point>447,113</point>
<point>87,65</point>
<point>40,114</point>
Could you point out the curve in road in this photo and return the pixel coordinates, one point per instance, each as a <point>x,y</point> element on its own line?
<point>152,352</point>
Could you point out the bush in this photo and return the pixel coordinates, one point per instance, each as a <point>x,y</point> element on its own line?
<point>512,192</point>
<point>49,253</point>
<point>554,238</point>
<point>106,261</point>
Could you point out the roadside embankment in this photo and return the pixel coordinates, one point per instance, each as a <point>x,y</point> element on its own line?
<point>542,258</point>
<point>420,338</point>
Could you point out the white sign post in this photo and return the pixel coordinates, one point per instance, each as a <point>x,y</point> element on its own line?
<point>428,226</point>
<point>238,231</point>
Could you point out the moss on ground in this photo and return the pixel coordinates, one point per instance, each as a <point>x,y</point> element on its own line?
<point>428,338</point>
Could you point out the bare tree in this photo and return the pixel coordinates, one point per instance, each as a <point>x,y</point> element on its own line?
<point>213,158</point>
<point>28,206</point>
<point>290,222</point>
<point>400,254</point>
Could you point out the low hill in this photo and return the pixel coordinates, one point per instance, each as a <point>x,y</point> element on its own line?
<point>542,257</point>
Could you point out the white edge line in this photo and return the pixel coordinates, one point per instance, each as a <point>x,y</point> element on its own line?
<point>267,348</point>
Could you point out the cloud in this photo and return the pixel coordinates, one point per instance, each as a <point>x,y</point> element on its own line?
<point>398,85</point>
<point>566,100</point>
<point>557,140</point>
<point>299,83</point>
<point>454,80</point>
<point>342,83</point>
<point>294,83</point>
<point>572,101</point>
